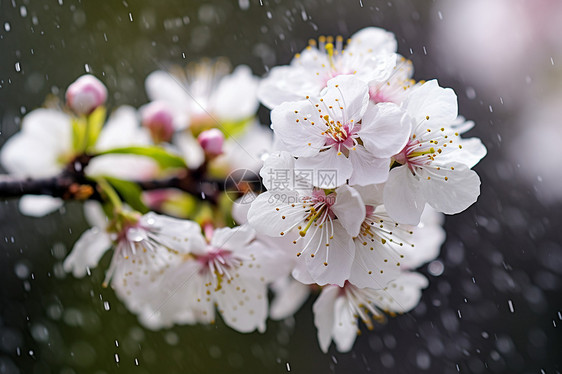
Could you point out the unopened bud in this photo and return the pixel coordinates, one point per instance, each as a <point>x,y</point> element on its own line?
<point>86,94</point>
<point>211,141</point>
<point>157,117</point>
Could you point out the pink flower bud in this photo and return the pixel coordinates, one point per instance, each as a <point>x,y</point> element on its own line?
<point>86,94</point>
<point>211,141</point>
<point>158,119</point>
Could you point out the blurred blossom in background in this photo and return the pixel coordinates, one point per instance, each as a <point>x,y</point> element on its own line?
<point>493,303</point>
<point>510,52</point>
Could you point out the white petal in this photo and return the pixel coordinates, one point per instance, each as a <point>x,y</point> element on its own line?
<point>454,195</point>
<point>264,217</point>
<point>371,194</point>
<point>350,209</point>
<point>42,162</point>
<point>235,98</point>
<point>87,252</point>
<point>189,149</point>
<point>324,315</point>
<point>277,171</point>
<point>470,154</point>
<point>349,93</point>
<point>367,169</point>
<point>94,214</point>
<point>290,295</point>
<point>180,235</point>
<point>123,166</point>
<point>162,85</point>
<point>430,100</point>
<point>374,265</point>
<point>240,209</point>
<point>330,264</point>
<point>372,40</point>
<point>403,294</point>
<point>301,274</point>
<point>385,129</point>
<point>287,83</point>
<point>298,134</point>
<point>345,325</point>
<point>50,125</point>
<point>403,198</point>
<point>427,238</point>
<point>121,130</point>
<point>243,304</point>
<point>39,205</point>
<point>329,168</point>
<point>233,239</point>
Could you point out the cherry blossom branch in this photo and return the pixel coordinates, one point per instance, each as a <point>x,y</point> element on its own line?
<point>73,185</point>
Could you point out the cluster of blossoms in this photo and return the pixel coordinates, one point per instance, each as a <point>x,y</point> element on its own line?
<point>360,165</point>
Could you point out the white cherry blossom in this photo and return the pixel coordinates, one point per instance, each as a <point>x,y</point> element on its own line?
<point>326,222</point>
<point>341,131</point>
<point>337,309</point>
<point>369,55</point>
<point>230,270</point>
<point>434,164</point>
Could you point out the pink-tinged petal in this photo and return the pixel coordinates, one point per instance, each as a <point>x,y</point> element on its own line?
<point>375,264</point>
<point>235,98</point>
<point>233,239</point>
<point>299,127</point>
<point>403,198</point>
<point>349,209</point>
<point>402,294</point>
<point>330,169</point>
<point>345,325</point>
<point>432,105</point>
<point>367,169</point>
<point>372,40</point>
<point>324,315</point>
<point>377,68</point>
<point>39,205</point>
<point>331,263</point>
<point>87,252</point>
<point>189,149</point>
<point>290,295</point>
<point>385,129</point>
<point>243,304</point>
<point>454,194</point>
<point>348,98</point>
<point>265,217</point>
<point>287,83</point>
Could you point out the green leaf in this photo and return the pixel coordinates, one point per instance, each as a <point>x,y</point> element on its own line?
<point>130,192</point>
<point>160,155</point>
<point>78,130</point>
<point>95,122</point>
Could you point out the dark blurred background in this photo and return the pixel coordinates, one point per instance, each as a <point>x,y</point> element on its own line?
<point>495,308</point>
